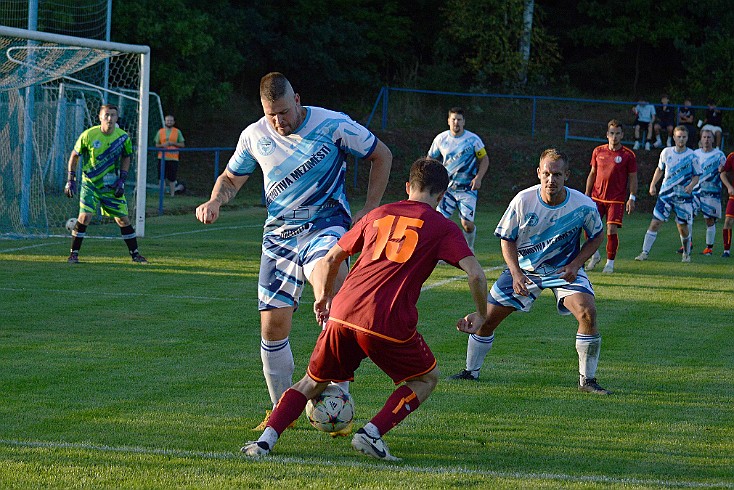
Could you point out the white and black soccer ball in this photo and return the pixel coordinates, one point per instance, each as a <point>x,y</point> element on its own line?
<point>70,224</point>
<point>332,410</point>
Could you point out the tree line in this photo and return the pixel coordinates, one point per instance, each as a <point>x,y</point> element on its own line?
<point>340,49</point>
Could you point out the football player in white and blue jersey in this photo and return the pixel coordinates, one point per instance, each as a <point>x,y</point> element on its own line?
<point>680,170</point>
<point>302,153</point>
<point>541,234</point>
<point>465,158</point>
<point>707,193</point>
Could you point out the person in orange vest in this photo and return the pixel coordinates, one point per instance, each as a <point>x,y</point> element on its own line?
<point>169,137</point>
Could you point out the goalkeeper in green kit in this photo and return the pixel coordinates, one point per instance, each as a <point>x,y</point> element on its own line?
<point>106,151</point>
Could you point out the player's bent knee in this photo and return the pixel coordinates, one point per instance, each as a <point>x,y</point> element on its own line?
<point>424,385</point>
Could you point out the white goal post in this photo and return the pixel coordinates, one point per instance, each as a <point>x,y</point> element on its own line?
<point>51,87</point>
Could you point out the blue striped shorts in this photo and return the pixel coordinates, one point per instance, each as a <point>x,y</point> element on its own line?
<point>502,292</point>
<point>286,263</point>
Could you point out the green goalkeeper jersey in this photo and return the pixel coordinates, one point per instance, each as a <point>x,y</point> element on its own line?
<point>101,154</point>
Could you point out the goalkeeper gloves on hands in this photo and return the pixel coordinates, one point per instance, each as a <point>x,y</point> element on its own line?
<point>70,187</point>
<point>119,184</point>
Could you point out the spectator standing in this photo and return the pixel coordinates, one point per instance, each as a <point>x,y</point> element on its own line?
<point>613,169</point>
<point>169,137</point>
<point>302,152</point>
<point>540,238</point>
<point>679,169</point>
<point>105,150</point>
<point>644,119</point>
<point>707,192</point>
<point>465,158</point>
<point>374,315</point>
<point>664,121</point>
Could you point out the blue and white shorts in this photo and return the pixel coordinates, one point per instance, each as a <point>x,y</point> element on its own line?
<point>286,264</point>
<point>683,210</point>
<point>707,203</point>
<point>503,294</point>
<point>466,200</point>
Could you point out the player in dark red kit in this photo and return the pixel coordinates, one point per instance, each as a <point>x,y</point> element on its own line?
<point>613,167</point>
<point>374,314</point>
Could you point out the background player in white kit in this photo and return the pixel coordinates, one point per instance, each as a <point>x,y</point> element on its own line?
<point>465,158</point>
<point>679,168</point>
<point>541,233</point>
<point>707,193</point>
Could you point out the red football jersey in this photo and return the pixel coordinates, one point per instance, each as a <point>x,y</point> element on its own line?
<point>400,245</point>
<point>612,169</point>
<point>729,166</point>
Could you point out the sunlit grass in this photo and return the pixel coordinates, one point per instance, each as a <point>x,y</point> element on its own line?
<point>114,374</point>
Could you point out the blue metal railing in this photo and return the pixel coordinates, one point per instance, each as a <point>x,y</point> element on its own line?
<point>162,185</point>
<point>384,93</point>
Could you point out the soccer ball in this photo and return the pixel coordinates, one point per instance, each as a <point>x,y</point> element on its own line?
<point>70,224</point>
<point>332,410</point>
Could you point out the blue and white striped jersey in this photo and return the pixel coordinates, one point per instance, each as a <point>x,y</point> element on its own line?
<point>304,172</point>
<point>679,169</point>
<point>459,154</point>
<point>711,164</point>
<point>548,237</point>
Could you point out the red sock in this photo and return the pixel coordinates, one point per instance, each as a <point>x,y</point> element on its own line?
<point>401,403</point>
<point>727,238</point>
<point>612,246</point>
<point>288,409</point>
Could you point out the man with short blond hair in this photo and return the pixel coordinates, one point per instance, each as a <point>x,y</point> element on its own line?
<point>707,192</point>
<point>540,236</point>
<point>679,169</point>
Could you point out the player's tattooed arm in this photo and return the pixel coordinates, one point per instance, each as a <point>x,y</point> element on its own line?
<point>225,189</point>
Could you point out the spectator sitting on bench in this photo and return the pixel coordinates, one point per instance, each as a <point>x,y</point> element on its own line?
<point>686,117</point>
<point>644,116</point>
<point>664,119</point>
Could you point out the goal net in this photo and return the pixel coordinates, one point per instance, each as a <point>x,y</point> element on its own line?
<point>51,89</point>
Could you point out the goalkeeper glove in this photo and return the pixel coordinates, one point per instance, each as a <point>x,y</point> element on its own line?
<point>119,184</point>
<point>70,187</point>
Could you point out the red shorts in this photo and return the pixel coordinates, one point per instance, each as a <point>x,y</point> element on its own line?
<point>614,211</point>
<point>339,351</point>
<point>730,207</point>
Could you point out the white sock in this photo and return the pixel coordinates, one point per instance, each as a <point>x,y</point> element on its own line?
<point>610,262</point>
<point>711,235</point>
<point>686,242</point>
<point>650,237</point>
<point>270,436</point>
<point>469,237</point>
<point>588,348</point>
<point>278,366</point>
<point>371,430</point>
<point>477,349</point>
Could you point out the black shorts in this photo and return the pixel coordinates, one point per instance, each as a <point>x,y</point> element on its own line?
<point>171,170</point>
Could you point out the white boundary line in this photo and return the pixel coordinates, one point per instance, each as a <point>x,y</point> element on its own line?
<point>119,294</point>
<point>124,294</point>
<point>443,470</point>
<point>457,278</point>
<point>190,232</point>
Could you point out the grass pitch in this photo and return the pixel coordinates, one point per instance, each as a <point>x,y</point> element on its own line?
<point>119,375</point>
